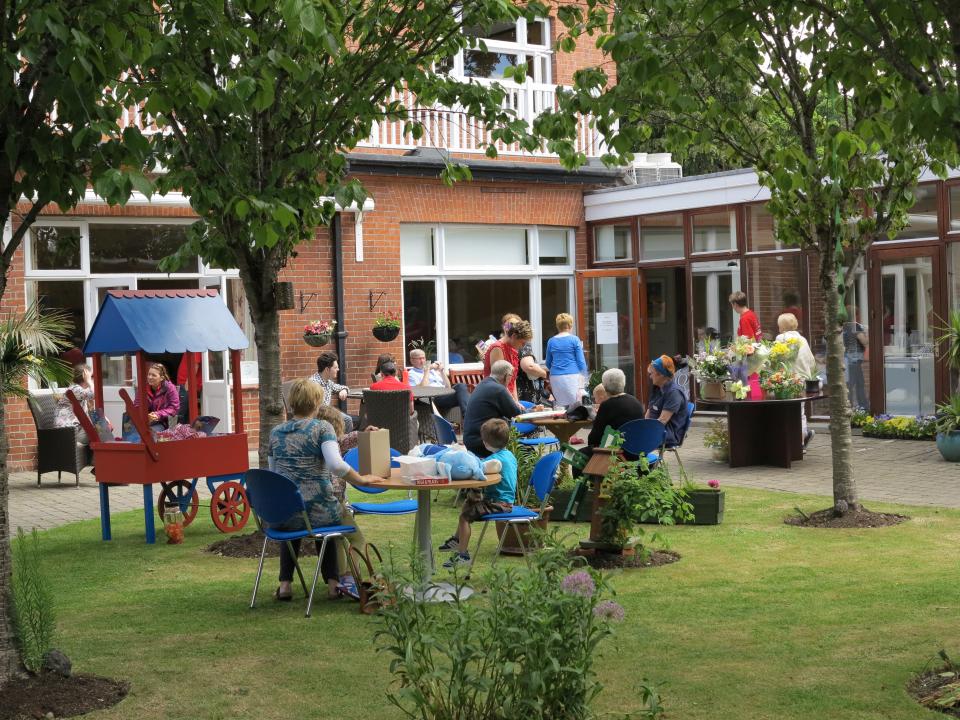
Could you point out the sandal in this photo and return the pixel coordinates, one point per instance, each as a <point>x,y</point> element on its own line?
<point>282,598</point>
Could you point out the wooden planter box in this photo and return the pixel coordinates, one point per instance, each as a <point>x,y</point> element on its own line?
<point>707,507</point>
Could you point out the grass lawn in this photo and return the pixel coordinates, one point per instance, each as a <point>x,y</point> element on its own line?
<point>758,620</point>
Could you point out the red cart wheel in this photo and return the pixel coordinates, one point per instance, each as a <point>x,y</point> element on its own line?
<point>179,494</point>
<point>229,507</point>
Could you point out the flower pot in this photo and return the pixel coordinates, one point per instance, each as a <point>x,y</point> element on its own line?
<point>949,445</point>
<point>812,386</point>
<point>386,334</point>
<point>720,455</point>
<point>712,390</point>
<point>510,544</point>
<point>316,340</point>
<point>707,507</point>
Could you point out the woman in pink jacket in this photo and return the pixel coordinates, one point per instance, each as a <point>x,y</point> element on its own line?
<point>163,399</point>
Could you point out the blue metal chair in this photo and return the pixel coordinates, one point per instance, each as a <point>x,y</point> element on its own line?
<point>528,429</point>
<point>274,499</point>
<point>691,408</point>
<point>643,438</point>
<point>541,482</point>
<point>397,507</point>
<point>445,432</point>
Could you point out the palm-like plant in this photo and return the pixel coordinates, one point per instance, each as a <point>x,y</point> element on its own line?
<point>950,338</point>
<point>29,346</point>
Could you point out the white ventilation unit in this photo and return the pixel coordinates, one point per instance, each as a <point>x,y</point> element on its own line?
<point>652,168</point>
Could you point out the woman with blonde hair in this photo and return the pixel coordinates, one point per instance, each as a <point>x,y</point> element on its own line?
<point>305,450</point>
<point>566,363</point>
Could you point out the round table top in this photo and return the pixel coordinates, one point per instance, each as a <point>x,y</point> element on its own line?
<point>429,391</point>
<point>396,482</point>
<point>764,401</point>
<point>549,422</point>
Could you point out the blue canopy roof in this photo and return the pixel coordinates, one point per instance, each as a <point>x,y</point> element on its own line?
<point>161,321</point>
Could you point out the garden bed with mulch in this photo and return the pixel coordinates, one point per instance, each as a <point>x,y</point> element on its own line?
<point>851,519</point>
<point>600,560</point>
<point>51,695</point>
<point>937,690</point>
<point>250,545</point>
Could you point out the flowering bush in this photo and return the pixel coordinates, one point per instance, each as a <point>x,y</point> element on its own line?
<point>717,436</point>
<point>783,384</point>
<point>320,327</point>
<point>712,363</point>
<point>390,319</point>
<point>904,427</point>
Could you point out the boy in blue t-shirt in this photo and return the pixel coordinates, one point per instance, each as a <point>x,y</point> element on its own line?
<point>495,433</point>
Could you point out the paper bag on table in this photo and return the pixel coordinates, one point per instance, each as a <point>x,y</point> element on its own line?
<point>374,450</point>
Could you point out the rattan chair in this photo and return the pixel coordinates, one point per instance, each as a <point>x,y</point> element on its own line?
<point>58,448</point>
<point>390,409</point>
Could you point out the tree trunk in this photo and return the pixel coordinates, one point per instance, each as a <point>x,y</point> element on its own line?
<point>9,657</point>
<point>844,484</point>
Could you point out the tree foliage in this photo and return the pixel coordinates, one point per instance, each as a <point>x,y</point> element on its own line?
<point>759,81</point>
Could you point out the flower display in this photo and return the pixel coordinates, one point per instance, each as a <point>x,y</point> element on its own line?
<point>783,353</point>
<point>715,484</point>
<point>320,327</point>
<point>712,364</point>
<point>579,583</point>
<point>783,384</point>
<point>906,427</point>
<point>389,319</point>
<point>609,610</point>
<point>739,390</point>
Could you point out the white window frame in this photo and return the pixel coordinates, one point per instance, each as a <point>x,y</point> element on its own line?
<point>27,245</point>
<point>519,48</point>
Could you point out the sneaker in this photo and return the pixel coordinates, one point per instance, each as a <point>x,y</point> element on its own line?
<point>451,543</point>
<point>457,559</point>
<point>807,438</point>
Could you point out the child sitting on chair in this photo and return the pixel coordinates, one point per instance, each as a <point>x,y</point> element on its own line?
<point>495,433</point>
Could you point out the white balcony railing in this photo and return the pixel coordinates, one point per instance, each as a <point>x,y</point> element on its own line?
<point>449,129</point>
<point>454,130</point>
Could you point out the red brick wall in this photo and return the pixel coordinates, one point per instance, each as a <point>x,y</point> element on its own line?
<point>21,433</point>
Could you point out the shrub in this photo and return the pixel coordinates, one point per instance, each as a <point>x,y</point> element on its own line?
<point>902,427</point>
<point>33,614</point>
<point>523,650</point>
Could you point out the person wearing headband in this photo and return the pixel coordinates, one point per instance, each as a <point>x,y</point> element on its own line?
<point>668,404</point>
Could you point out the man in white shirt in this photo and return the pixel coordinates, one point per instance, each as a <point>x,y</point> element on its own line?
<point>436,376</point>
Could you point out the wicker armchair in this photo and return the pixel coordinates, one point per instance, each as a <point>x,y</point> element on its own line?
<point>57,448</point>
<point>390,409</point>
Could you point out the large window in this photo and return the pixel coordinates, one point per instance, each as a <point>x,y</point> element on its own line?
<point>503,45</point>
<point>712,284</point>
<point>661,237</point>
<point>54,248</point>
<point>125,248</point>
<point>761,229</point>
<point>420,320</point>
<point>612,242</point>
<point>475,307</point>
<point>416,245</point>
<point>715,231</point>
<point>922,218</point>
<point>775,288</point>
<point>953,199</point>
<point>485,245</point>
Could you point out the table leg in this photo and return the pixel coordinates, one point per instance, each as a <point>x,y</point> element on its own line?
<point>764,435</point>
<point>423,537</point>
<point>148,514</point>
<point>105,533</point>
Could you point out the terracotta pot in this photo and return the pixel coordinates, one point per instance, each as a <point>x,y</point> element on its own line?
<point>510,544</point>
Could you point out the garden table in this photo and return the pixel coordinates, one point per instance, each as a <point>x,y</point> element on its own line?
<point>764,432</point>
<point>422,535</point>
<point>562,428</point>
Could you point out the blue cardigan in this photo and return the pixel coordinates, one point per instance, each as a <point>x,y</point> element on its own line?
<point>565,355</point>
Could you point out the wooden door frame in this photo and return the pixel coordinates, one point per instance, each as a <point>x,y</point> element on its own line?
<point>634,275</point>
<point>877,255</point>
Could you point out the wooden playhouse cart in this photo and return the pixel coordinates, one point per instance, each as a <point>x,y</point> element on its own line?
<point>137,322</point>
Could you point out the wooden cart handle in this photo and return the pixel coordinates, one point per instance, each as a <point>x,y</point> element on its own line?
<point>82,418</point>
<point>142,427</point>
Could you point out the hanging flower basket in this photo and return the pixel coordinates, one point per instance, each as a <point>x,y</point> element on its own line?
<point>385,334</point>
<point>319,332</point>
<point>316,340</point>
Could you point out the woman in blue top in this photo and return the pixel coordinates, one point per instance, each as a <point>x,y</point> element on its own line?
<point>668,404</point>
<point>565,361</point>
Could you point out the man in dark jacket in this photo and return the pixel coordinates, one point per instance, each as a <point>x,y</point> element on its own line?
<point>490,399</point>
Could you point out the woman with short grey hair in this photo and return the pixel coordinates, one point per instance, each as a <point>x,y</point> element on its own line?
<point>614,381</point>
<point>618,409</point>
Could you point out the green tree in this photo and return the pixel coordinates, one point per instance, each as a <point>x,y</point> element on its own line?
<point>263,99</point>
<point>58,129</point>
<point>757,81</point>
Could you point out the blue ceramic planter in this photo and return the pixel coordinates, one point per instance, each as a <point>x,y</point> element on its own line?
<point>949,446</point>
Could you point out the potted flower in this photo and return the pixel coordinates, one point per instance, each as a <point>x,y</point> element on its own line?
<point>319,332</point>
<point>811,382</point>
<point>710,368</point>
<point>387,326</point>
<point>707,503</point>
<point>782,385</point>
<point>948,429</point>
<point>717,438</point>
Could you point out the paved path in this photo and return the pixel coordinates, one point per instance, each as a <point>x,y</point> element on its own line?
<point>897,471</point>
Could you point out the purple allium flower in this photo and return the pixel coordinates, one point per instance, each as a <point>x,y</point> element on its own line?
<point>713,483</point>
<point>609,610</point>
<point>579,583</point>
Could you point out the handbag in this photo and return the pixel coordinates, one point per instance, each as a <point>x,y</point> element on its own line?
<point>370,589</point>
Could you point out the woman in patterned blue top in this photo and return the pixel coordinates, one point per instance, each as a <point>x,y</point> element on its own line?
<point>306,450</point>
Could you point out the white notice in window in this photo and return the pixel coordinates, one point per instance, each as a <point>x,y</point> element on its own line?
<point>607,328</point>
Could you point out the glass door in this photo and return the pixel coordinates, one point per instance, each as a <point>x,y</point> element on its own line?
<point>119,371</point>
<point>903,319</point>
<point>663,304</point>
<point>610,318</point>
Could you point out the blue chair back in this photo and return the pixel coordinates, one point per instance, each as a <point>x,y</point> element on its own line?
<point>545,474</point>
<point>352,458</point>
<point>273,497</point>
<point>445,432</point>
<point>691,407</point>
<point>431,449</point>
<point>525,428</point>
<point>526,404</point>
<point>642,436</point>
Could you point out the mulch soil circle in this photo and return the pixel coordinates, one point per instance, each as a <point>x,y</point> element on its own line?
<point>925,685</point>
<point>250,545</point>
<point>611,561</point>
<point>852,519</point>
<point>38,695</point>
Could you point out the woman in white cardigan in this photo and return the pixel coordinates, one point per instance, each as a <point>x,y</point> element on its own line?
<point>805,365</point>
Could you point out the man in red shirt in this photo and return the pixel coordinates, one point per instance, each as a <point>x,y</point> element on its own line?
<point>749,325</point>
<point>390,381</point>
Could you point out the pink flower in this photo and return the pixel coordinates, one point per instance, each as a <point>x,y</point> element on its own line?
<point>609,610</point>
<point>579,583</point>
<point>713,483</point>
